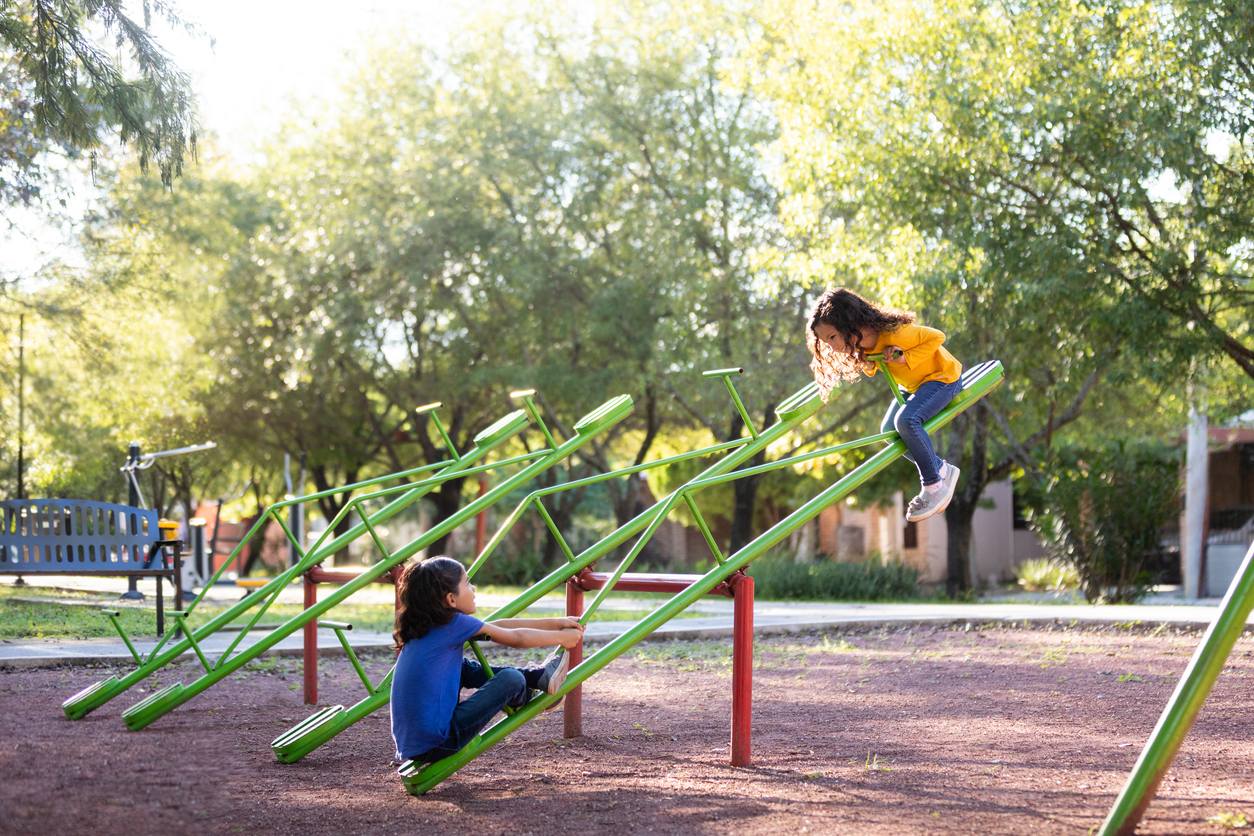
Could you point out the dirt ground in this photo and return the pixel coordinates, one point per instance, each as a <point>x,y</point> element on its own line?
<point>947,730</point>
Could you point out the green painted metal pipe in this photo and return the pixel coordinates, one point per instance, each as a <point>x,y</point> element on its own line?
<point>146,711</point>
<point>536,495</point>
<point>87,700</point>
<point>419,780</point>
<point>1186,701</point>
<point>797,408</point>
<point>320,727</point>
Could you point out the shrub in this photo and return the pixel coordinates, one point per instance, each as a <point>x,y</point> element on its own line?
<point>503,569</point>
<point>1042,574</point>
<point>778,576</point>
<point>1101,511</point>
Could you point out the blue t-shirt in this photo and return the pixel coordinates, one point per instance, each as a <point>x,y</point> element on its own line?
<point>426,684</point>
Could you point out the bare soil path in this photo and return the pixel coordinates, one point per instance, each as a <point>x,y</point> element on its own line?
<point>921,730</point>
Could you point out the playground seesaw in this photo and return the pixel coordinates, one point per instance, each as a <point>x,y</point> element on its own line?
<point>977,382</point>
<point>320,727</point>
<point>145,712</point>
<point>323,725</point>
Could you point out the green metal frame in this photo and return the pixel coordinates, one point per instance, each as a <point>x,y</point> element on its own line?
<point>1185,703</point>
<point>101,692</point>
<point>143,713</point>
<point>491,438</point>
<point>978,382</point>
<point>325,724</point>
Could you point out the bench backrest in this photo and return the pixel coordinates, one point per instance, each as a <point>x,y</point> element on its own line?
<point>71,535</point>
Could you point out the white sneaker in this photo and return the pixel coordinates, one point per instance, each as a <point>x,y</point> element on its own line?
<point>555,667</point>
<point>931,502</point>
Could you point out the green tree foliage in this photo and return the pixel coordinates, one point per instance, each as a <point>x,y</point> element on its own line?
<point>19,142</point>
<point>78,89</point>
<point>578,216</point>
<point>1102,510</point>
<point>999,167</point>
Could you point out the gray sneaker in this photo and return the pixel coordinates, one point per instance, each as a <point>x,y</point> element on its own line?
<point>555,667</point>
<point>929,503</point>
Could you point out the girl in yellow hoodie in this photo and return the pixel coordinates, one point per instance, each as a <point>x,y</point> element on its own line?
<point>846,332</point>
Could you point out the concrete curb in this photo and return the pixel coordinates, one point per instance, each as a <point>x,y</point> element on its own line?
<point>36,653</point>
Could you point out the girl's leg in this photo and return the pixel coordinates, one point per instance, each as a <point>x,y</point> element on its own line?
<point>474,676</point>
<point>890,422</point>
<point>507,688</point>
<point>927,400</point>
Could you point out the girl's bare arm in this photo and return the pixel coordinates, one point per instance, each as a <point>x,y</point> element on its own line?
<point>560,623</point>
<point>530,636</point>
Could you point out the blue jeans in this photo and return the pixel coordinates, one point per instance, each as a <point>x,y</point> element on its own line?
<point>507,687</point>
<point>908,419</point>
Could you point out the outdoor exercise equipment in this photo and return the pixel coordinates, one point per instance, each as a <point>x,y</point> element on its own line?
<point>325,724</point>
<point>977,382</point>
<point>739,587</point>
<point>1185,703</point>
<point>320,727</point>
<point>141,714</point>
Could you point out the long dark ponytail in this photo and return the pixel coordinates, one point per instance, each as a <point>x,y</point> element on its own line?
<point>421,592</point>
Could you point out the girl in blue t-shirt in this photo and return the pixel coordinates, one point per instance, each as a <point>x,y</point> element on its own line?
<point>434,620</point>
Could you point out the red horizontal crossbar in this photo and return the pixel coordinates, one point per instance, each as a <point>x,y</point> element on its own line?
<point>319,575</point>
<point>646,582</point>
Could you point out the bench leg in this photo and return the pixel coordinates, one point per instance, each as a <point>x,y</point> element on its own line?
<point>178,577</point>
<point>160,610</point>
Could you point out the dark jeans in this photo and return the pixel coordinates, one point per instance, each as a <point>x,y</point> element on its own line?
<point>908,420</point>
<point>507,687</point>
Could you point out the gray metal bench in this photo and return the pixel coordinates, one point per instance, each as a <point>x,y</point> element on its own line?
<point>78,537</point>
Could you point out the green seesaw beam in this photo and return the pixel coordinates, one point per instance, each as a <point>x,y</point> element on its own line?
<point>1185,703</point>
<point>101,692</point>
<point>326,723</point>
<point>148,710</point>
<point>418,778</point>
<point>96,695</point>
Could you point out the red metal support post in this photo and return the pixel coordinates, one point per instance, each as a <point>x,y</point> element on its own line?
<point>572,708</point>
<point>742,670</point>
<point>311,645</point>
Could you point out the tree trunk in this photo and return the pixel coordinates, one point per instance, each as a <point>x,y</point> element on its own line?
<point>333,504</point>
<point>961,511</point>
<point>745,489</point>
<point>447,500</point>
<point>746,492</point>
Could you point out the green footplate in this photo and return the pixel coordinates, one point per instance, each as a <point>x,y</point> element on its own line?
<point>145,711</point>
<point>90,698</point>
<point>309,734</point>
<point>605,415</point>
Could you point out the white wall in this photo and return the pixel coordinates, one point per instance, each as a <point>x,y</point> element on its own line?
<point>992,531</point>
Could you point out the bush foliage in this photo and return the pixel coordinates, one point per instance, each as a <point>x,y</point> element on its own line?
<point>778,576</point>
<point>1101,510</point>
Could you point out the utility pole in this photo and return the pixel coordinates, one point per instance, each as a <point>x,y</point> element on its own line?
<point>133,499</point>
<point>21,405</point>
<point>21,416</point>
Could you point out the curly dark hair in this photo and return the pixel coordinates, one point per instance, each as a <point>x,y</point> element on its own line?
<point>421,592</point>
<point>853,317</point>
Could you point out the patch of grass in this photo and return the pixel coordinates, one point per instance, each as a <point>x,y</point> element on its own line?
<point>75,619</point>
<point>1231,821</point>
<point>76,615</point>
